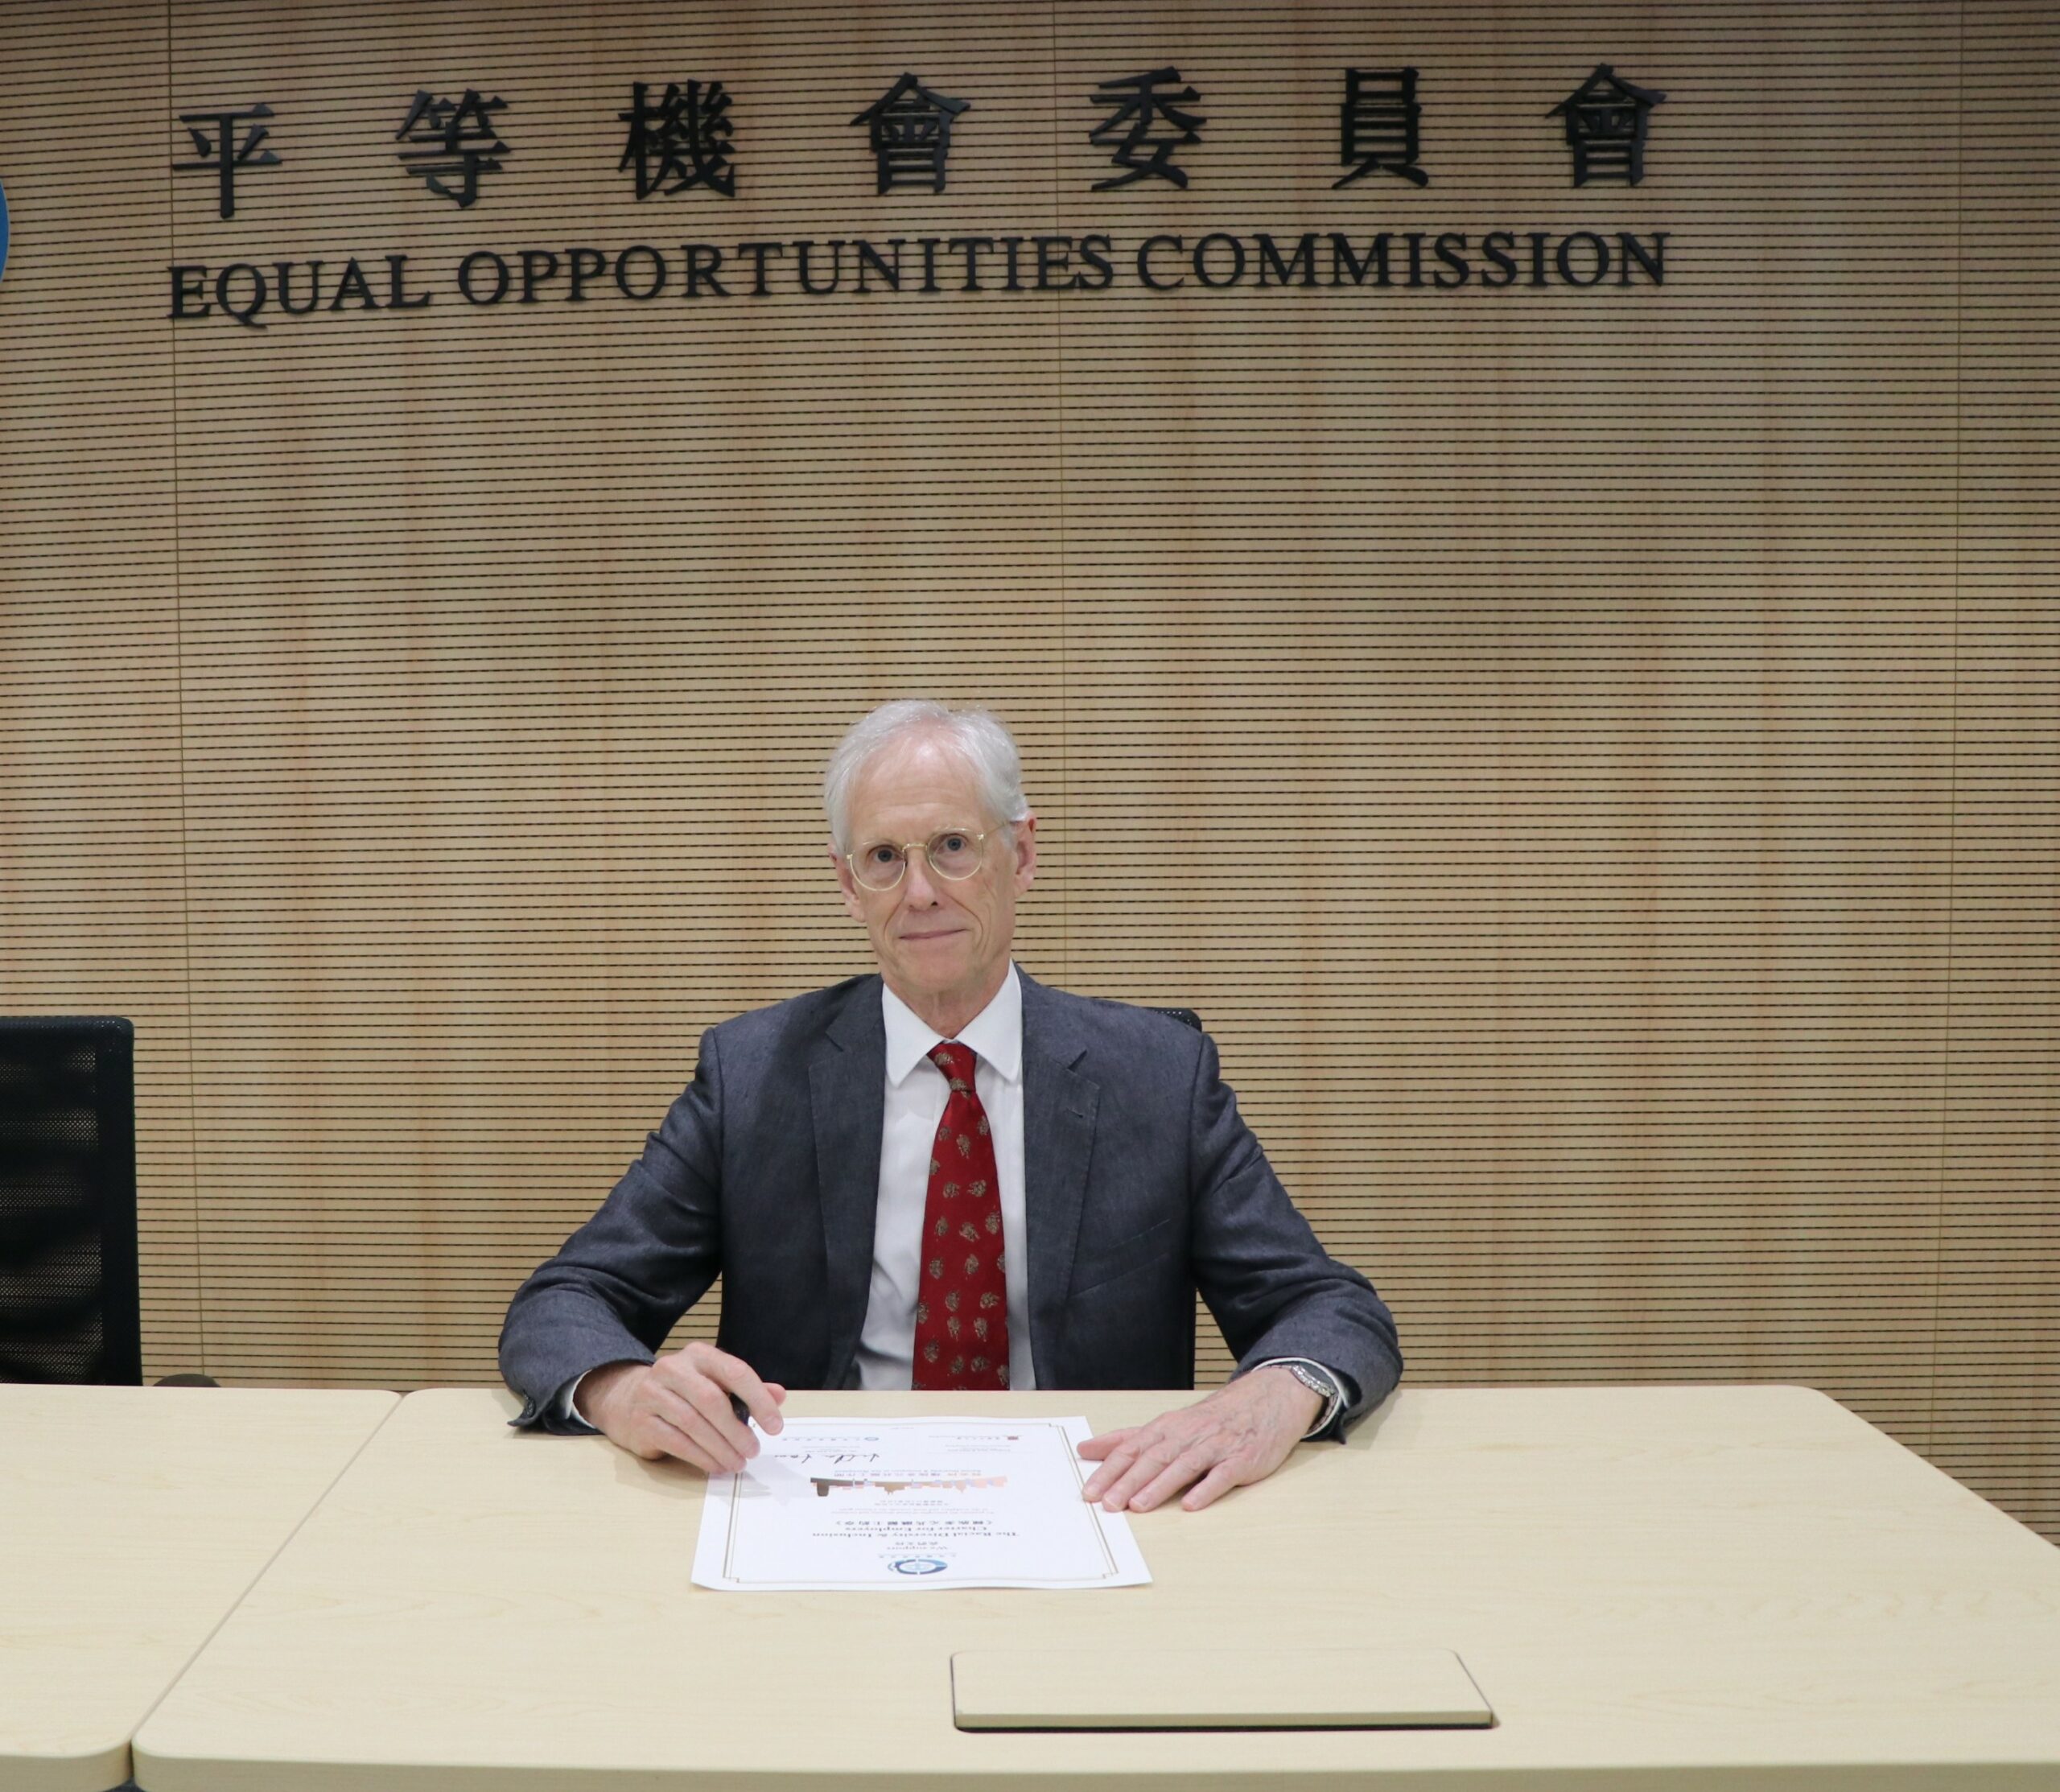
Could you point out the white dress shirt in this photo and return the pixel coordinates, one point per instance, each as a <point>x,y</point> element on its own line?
<point>916,1093</point>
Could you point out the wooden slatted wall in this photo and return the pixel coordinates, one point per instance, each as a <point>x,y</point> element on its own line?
<point>1593,756</point>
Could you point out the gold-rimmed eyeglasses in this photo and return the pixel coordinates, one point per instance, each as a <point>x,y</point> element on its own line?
<point>954,854</point>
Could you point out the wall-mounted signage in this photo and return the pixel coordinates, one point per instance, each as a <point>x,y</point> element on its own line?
<point>681,139</point>
<point>249,293</point>
<point>686,140</point>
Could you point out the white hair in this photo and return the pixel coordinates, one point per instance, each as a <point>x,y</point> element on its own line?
<point>977,736</point>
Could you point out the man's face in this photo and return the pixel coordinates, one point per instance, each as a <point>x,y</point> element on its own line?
<point>943,944</point>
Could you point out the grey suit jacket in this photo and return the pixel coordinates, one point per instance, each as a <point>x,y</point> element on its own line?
<point>1142,1185</point>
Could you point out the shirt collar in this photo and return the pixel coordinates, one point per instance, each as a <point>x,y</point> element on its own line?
<point>996,1032</point>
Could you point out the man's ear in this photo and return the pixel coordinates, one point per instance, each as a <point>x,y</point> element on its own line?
<point>846,885</point>
<point>1025,832</point>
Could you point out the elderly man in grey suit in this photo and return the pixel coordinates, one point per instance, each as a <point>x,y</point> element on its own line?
<point>949,1175</point>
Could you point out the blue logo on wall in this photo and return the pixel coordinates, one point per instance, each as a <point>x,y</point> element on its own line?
<point>3,232</point>
<point>917,1565</point>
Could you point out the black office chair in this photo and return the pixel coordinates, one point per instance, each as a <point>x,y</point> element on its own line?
<point>69,1306</point>
<point>1186,1017</point>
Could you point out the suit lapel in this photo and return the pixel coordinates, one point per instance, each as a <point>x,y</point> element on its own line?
<point>1058,1141</point>
<point>847,1084</point>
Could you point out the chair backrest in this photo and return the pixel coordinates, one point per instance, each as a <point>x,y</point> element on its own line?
<point>69,1309</point>
<point>1186,1017</point>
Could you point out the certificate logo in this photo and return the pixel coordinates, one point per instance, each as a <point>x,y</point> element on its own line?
<point>917,1565</point>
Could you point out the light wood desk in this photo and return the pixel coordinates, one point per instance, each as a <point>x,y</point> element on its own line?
<point>131,1521</point>
<point>1667,1587</point>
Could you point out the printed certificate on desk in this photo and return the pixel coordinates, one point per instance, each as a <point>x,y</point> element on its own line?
<point>880,1503</point>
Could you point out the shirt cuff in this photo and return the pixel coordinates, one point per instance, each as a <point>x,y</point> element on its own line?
<point>563,1411</point>
<point>1333,1390</point>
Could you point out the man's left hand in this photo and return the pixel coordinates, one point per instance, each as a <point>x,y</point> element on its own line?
<point>1240,1434</point>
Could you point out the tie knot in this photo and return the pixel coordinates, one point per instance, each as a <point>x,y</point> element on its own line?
<point>957,1062</point>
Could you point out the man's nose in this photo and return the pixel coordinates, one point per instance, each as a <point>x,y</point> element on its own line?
<point>918,884</point>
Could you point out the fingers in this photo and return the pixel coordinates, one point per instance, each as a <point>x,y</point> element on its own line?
<point>696,1404</point>
<point>721,1444</point>
<point>722,1390</point>
<point>647,1419</point>
<point>1115,1450</point>
<point>1099,1482</point>
<point>654,1437</point>
<point>735,1376</point>
<point>1145,1457</point>
<point>1213,1485</point>
<point>690,1402</point>
<point>1100,1445</point>
<point>1240,1434</point>
<point>1190,1464</point>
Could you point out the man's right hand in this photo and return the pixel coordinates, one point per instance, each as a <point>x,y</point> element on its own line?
<point>679,1406</point>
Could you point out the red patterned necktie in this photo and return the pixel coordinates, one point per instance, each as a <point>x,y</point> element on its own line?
<point>961,1303</point>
